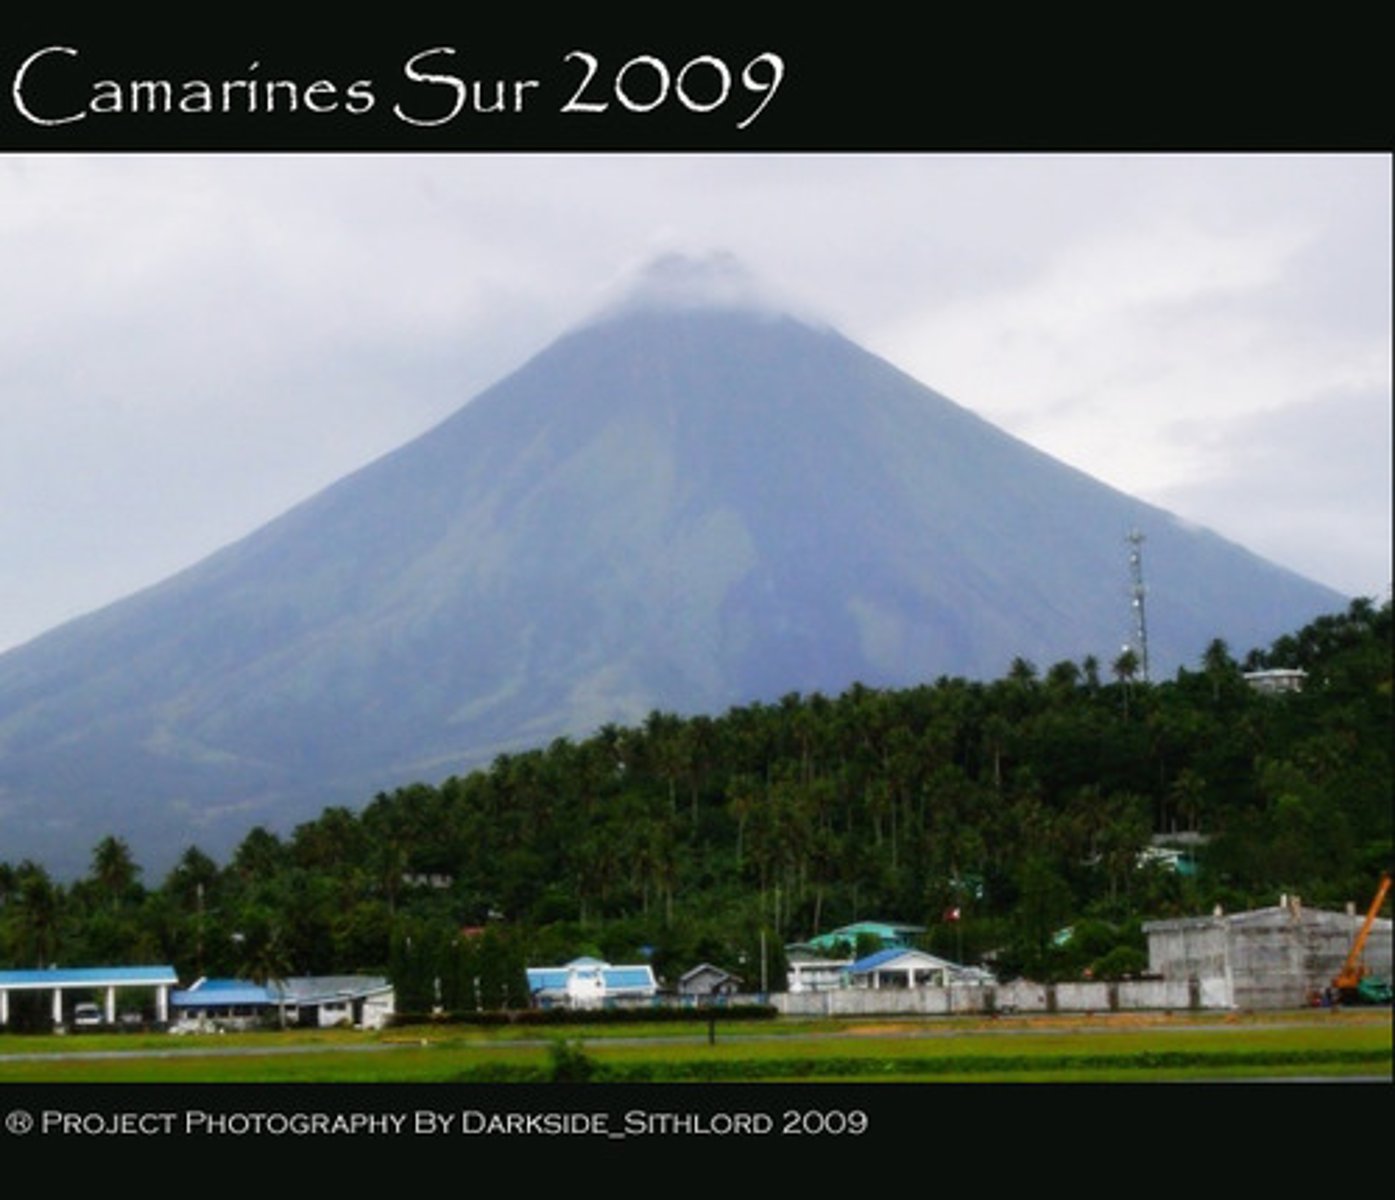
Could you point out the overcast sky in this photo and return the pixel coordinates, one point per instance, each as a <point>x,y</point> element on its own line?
<point>191,344</point>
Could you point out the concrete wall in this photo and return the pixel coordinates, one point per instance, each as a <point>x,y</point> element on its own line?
<point>1020,996</point>
<point>1268,966</point>
<point>1183,949</point>
<point>852,1002</point>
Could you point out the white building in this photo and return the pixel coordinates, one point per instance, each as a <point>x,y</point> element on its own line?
<point>590,983</point>
<point>817,974</point>
<point>1277,680</point>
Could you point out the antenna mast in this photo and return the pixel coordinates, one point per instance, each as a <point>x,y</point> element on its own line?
<point>1140,618</point>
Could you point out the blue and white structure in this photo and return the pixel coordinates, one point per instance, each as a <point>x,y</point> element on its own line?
<point>590,983</point>
<point>104,981</point>
<point>909,968</point>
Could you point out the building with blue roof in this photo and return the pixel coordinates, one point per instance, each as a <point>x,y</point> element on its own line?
<point>897,968</point>
<point>590,983</point>
<point>103,981</point>
<point>222,1000</point>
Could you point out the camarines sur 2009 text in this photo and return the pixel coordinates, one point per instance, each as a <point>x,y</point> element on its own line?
<point>58,85</point>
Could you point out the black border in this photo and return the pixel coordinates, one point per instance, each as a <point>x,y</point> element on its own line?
<point>985,80</point>
<point>871,80</point>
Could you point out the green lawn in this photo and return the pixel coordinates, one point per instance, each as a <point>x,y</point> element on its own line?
<point>1065,1049</point>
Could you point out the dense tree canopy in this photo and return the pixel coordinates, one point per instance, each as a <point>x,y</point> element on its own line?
<point>1023,805</point>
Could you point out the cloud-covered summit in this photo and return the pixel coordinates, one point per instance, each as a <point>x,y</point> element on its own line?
<point>677,281</point>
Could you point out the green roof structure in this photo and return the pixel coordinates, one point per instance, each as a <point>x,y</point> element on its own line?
<point>893,935</point>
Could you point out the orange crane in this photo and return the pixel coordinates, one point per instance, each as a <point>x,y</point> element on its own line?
<point>1354,982</point>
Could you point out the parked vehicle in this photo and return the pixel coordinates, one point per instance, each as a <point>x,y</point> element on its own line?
<point>86,1016</point>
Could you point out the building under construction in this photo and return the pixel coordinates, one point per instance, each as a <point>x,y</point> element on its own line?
<point>1281,957</point>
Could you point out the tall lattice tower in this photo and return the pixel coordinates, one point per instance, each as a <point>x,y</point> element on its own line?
<point>1138,591</point>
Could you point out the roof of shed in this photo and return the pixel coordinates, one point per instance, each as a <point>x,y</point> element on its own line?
<point>90,977</point>
<point>218,993</point>
<point>615,979</point>
<point>304,989</point>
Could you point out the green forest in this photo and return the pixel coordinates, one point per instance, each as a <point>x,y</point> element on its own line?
<point>1026,805</point>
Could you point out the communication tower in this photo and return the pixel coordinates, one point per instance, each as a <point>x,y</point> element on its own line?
<point>1137,591</point>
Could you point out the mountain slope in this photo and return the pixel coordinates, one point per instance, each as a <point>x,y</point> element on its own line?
<point>673,508</point>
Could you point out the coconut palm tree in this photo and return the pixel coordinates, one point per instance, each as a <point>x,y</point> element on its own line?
<point>264,959</point>
<point>113,868</point>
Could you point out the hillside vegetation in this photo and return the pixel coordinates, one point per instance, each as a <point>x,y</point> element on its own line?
<point>1025,804</point>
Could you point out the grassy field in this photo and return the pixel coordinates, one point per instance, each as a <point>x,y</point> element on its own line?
<point>1102,1048</point>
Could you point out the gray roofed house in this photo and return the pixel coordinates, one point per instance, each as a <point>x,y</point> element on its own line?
<point>707,980</point>
<point>327,1000</point>
<point>322,1001</point>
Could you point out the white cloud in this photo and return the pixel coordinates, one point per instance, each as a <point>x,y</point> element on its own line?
<point>190,344</point>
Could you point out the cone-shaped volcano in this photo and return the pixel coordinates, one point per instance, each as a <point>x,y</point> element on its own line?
<point>681,505</point>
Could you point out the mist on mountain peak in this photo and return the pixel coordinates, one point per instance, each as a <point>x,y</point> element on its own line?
<point>682,282</point>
